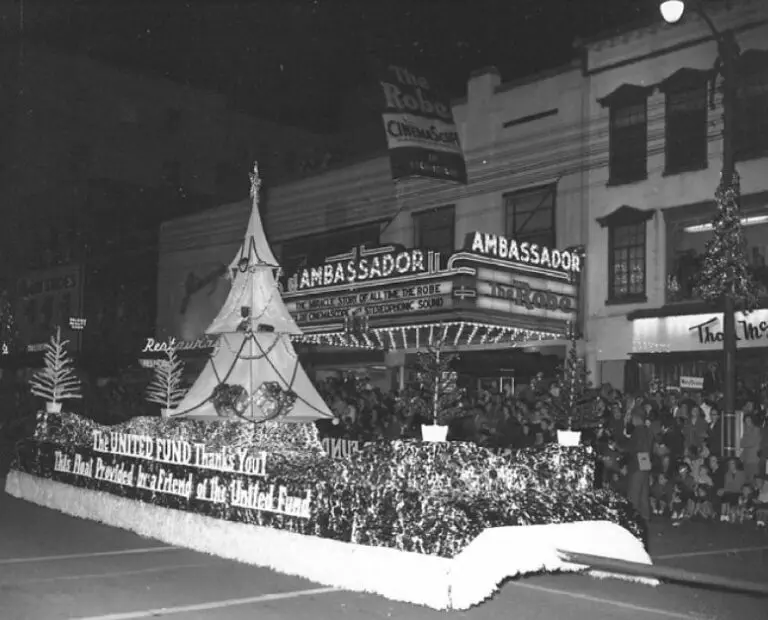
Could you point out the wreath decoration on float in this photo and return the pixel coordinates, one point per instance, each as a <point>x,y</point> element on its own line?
<point>233,401</point>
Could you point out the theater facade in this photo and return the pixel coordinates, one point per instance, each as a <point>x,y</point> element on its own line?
<point>497,302</point>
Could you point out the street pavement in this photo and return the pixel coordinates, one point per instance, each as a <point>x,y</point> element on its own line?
<point>56,567</point>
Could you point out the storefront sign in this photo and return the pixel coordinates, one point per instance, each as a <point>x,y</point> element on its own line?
<point>368,266</point>
<point>524,253</point>
<point>697,332</point>
<point>692,383</point>
<point>378,302</point>
<point>155,346</point>
<point>47,299</point>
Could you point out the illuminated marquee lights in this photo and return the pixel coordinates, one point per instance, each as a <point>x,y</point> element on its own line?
<point>364,269</point>
<point>495,246</point>
<point>387,337</point>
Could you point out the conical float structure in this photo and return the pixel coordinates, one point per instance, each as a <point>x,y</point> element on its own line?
<point>254,327</point>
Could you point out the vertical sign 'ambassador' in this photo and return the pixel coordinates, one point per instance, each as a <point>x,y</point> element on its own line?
<point>421,135</point>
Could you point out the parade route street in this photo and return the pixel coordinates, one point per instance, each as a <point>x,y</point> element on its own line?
<point>56,567</point>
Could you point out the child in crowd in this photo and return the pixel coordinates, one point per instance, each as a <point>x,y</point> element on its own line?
<point>745,509</point>
<point>662,491</point>
<point>702,505</point>
<point>677,505</point>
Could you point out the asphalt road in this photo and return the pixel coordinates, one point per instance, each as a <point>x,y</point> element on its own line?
<point>54,567</point>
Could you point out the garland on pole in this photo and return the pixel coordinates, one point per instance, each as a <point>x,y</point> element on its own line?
<point>726,269</point>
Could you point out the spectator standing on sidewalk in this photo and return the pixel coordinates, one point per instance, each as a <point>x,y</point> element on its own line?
<point>750,447</point>
<point>639,449</point>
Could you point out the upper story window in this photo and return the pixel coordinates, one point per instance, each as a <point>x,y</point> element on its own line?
<point>751,114</point>
<point>435,230</point>
<point>685,121</point>
<point>530,215</point>
<point>628,134</point>
<point>314,249</point>
<point>626,254</point>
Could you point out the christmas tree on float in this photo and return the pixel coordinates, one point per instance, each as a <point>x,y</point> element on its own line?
<point>254,372</point>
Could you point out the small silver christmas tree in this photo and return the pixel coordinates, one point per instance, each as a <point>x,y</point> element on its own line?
<point>165,388</point>
<point>57,380</point>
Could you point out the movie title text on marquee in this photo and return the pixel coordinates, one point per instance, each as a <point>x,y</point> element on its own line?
<point>377,302</point>
<point>364,269</point>
<point>523,253</point>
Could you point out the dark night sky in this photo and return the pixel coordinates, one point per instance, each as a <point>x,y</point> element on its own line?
<point>296,60</point>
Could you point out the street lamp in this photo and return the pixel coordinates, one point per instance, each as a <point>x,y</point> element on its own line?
<point>672,10</point>
<point>728,56</point>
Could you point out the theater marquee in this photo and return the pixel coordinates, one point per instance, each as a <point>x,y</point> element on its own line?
<point>492,273</point>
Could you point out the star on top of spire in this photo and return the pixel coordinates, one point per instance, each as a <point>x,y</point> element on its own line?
<point>255,180</point>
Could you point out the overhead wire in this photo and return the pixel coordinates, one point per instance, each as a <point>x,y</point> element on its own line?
<point>563,150</point>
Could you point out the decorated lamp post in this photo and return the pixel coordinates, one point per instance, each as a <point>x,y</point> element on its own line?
<point>725,279</point>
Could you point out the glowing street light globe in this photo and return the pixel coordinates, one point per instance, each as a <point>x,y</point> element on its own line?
<point>672,10</point>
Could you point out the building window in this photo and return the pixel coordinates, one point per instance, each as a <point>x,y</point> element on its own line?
<point>530,216</point>
<point>751,115</point>
<point>686,128</point>
<point>626,254</point>
<point>628,137</point>
<point>436,230</point>
<point>627,133</point>
<point>626,278</point>
<point>315,249</point>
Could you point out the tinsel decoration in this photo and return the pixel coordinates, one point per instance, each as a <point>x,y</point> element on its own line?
<point>165,388</point>
<point>273,401</point>
<point>229,401</point>
<point>57,380</point>
<point>433,499</point>
<point>726,269</point>
<point>9,332</point>
<point>437,399</point>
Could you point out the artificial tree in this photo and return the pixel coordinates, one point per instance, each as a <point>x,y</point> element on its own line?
<point>165,388</point>
<point>574,400</point>
<point>437,400</point>
<point>726,271</point>
<point>57,380</point>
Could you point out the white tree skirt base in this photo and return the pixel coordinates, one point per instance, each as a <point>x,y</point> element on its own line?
<point>440,583</point>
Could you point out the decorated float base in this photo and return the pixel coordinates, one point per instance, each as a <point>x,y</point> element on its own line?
<point>438,582</point>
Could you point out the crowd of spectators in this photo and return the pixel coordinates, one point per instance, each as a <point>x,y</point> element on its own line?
<point>663,449</point>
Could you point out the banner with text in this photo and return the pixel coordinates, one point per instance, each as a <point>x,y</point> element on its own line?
<point>421,134</point>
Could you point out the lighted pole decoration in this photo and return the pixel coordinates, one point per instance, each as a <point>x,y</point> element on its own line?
<point>725,279</point>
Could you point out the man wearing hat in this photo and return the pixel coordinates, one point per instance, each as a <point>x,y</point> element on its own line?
<point>639,449</point>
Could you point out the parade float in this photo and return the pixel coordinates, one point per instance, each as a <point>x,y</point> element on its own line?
<point>235,468</point>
